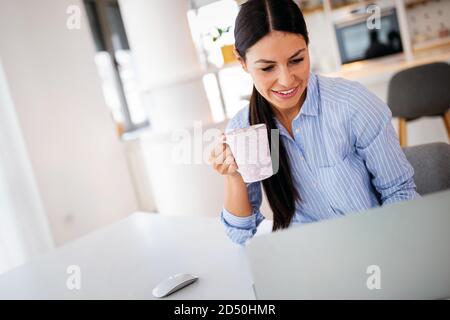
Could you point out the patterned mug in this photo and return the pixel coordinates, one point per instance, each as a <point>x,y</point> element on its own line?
<point>250,148</point>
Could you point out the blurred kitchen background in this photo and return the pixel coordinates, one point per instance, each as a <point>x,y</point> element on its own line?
<point>92,91</point>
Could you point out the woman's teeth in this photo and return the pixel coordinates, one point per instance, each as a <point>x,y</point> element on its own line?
<point>286,93</point>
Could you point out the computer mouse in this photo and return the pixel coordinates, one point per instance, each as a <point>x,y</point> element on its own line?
<point>172,284</point>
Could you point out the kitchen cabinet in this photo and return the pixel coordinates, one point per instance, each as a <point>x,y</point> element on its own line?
<point>310,6</point>
<point>428,22</point>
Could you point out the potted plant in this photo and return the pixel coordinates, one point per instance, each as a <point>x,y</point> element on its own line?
<point>226,48</point>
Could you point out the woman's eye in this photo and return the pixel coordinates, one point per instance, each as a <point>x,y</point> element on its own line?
<point>297,61</point>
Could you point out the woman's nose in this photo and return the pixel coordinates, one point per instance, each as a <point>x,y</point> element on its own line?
<point>286,78</point>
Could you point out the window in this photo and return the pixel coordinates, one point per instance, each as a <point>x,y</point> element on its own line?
<point>203,23</point>
<point>227,85</point>
<point>115,65</point>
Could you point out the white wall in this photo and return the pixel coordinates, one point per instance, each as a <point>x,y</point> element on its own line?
<point>24,229</point>
<point>77,159</point>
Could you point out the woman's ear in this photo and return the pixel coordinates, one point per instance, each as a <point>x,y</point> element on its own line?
<point>240,59</point>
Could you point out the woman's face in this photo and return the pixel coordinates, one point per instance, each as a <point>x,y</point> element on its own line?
<point>279,66</point>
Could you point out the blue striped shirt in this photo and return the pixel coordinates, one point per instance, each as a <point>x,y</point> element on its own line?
<point>345,157</point>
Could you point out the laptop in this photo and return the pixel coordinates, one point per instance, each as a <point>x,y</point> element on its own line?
<point>399,251</point>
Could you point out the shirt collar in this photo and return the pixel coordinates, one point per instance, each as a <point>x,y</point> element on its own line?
<point>310,106</point>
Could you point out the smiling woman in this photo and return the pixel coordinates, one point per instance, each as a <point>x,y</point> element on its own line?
<point>338,152</point>
<point>282,79</point>
<point>272,47</point>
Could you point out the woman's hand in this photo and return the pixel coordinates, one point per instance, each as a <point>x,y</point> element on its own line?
<point>222,159</point>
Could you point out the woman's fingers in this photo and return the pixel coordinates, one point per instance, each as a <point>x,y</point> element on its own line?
<point>229,159</point>
<point>220,150</point>
<point>219,147</point>
<point>228,166</point>
<point>222,158</point>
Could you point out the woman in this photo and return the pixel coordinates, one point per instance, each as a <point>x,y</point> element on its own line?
<point>338,150</point>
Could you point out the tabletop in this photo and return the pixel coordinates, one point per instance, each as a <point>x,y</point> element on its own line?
<point>126,260</point>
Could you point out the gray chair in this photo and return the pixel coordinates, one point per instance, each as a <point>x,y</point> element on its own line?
<point>431,163</point>
<point>420,92</point>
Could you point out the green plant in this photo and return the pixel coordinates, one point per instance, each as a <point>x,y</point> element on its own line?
<point>220,32</point>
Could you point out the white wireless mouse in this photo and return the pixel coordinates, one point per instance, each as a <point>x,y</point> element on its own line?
<point>172,284</point>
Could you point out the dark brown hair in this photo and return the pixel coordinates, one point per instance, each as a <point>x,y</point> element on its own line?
<point>256,19</point>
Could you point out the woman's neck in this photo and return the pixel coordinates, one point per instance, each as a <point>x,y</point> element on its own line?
<point>286,116</point>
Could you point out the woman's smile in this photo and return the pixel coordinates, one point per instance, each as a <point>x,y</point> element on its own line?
<point>286,94</point>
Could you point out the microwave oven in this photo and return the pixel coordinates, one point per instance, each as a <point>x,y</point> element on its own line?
<point>359,40</point>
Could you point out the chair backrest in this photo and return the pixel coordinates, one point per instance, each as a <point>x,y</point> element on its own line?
<point>431,163</point>
<point>420,91</point>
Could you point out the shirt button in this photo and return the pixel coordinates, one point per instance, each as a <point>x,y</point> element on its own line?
<point>301,158</point>
<point>297,130</point>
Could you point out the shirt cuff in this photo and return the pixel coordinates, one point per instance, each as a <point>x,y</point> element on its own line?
<point>239,222</point>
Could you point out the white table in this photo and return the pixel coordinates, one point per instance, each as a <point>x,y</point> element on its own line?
<point>127,259</point>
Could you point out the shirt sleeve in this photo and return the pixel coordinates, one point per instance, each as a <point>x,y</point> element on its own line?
<point>377,143</point>
<point>241,229</point>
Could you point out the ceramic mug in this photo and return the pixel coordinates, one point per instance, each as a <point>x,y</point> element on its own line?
<point>250,148</point>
